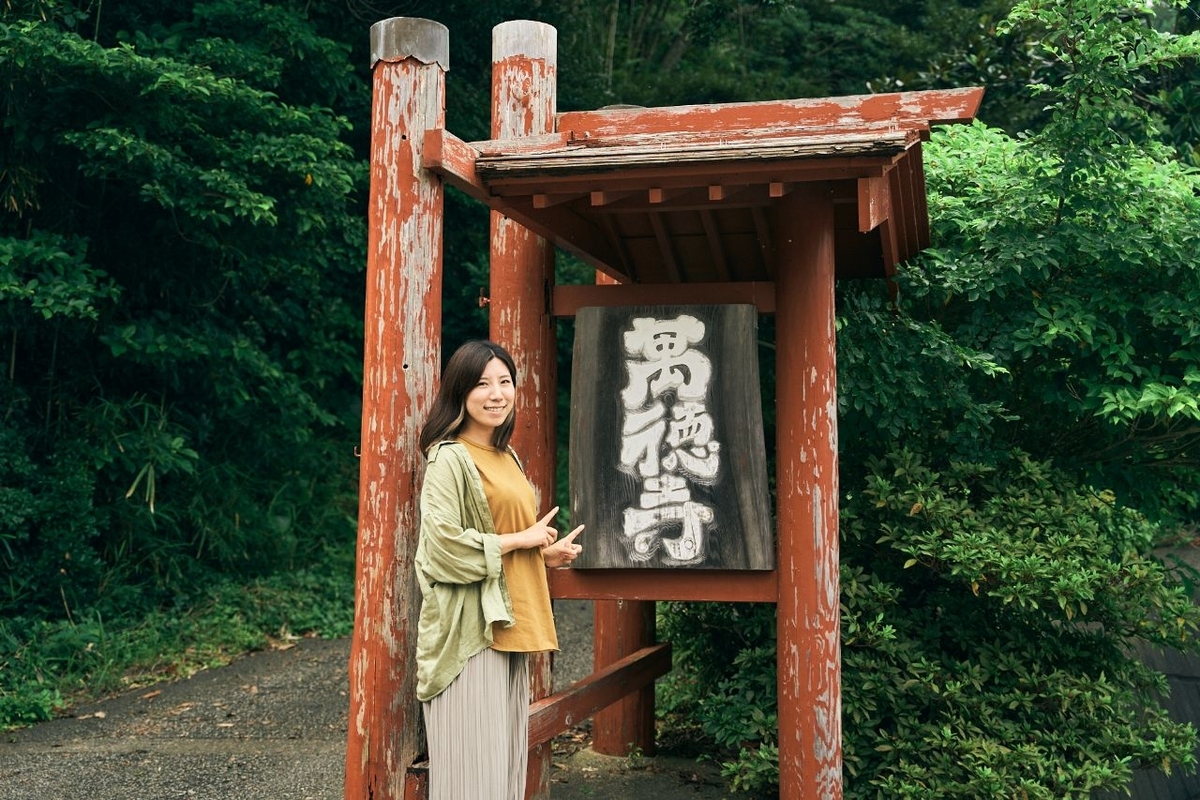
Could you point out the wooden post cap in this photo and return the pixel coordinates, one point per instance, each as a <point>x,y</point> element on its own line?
<point>523,37</point>
<point>398,38</point>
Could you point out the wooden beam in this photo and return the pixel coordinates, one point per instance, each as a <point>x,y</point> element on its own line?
<point>565,301</point>
<point>753,138</point>
<point>926,107</point>
<point>916,160</point>
<point>401,363</point>
<point>524,100</point>
<point>601,198</point>
<point>660,196</point>
<point>902,214</point>
<point>619,629</point>
<point>890,245</point>
<point>549,200</point>
<point>696,199</point>
<point>874,203</point>
<point>453,159</point>
<point>626,272</point>
<point>740,586</point>
<point>715,245</point>
<point>536,143</point>
<point>808,657</point>
<point>565,228</point>
<point>685,176</point>
<point>670,263</point>
<point>558,712</point>
<point>751,151</point>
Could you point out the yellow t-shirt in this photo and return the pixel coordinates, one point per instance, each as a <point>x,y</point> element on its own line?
<point>514,508</point>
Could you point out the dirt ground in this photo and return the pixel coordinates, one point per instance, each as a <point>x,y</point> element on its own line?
<point>272,726</point>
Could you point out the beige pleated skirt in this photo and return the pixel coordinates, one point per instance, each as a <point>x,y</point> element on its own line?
<point>478,730</point>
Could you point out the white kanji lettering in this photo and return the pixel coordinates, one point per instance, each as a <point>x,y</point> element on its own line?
<point>663,490</point>
<point>666,361</point>
<point>699,463</point>
<point>667,437</point>
<point>644,528</point>
<point>640,447</point>
<point>690,424</point>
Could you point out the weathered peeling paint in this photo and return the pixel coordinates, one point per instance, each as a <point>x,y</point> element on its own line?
<point>944,105</point>
<point>524,69</point>
<point>808,626</point>
<point>401,361</point>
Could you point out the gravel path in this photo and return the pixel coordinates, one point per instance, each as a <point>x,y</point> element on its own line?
<point>272,726</point>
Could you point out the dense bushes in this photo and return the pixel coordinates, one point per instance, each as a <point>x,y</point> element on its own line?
<point>1017,429</point>
<point>180,307</point>
<point>985,612</point>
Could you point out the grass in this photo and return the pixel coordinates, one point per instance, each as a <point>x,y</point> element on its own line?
<point>49,666</point>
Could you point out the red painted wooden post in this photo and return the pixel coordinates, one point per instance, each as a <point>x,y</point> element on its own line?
<point>400,366</point>
<point>809,656</point>
<point>621,627</point>
<point>524,71</point>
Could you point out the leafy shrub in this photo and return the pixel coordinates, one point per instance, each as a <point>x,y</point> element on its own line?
<point>985,613</point>
<point>985,655</point>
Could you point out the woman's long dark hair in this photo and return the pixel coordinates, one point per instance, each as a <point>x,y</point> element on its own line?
<point>462,373</point>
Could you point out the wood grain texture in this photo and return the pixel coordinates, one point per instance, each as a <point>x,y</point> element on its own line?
<point>400,366</point>
<point>808,649</point>
<point>621,628</point>
<point>557,713</point>
<point>524,91</point>
<point>611,499</point>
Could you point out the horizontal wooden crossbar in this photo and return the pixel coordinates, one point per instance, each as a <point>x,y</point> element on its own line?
<point>723,586</point>
<point>558,712</point>
<point>566,299</point>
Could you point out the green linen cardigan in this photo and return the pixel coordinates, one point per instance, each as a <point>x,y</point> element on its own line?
<point>463,591</point>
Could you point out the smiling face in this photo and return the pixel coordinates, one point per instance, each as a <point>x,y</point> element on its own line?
<point>489,404</point>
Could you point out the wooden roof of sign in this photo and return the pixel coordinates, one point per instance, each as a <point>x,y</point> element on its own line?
<point>687,194</point>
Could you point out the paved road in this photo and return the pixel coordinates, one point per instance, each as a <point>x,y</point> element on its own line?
<point>272,726</point>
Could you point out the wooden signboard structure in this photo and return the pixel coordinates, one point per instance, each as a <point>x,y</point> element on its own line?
<point>759,204</point>
<point>668,465</point>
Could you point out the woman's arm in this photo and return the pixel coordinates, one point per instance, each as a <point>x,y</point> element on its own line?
<point>451,549</point>
<point>539,534</point>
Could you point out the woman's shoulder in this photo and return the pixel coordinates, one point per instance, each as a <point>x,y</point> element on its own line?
<point>447,449</point>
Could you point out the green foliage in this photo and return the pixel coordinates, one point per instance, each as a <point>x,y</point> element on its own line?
<point>1092,251</point>
<point>983,652</point>
<point>1018,429</point>
<point>723,682</point>
<point>180,257</point>
<point>49,525</point>
<point>180,252</point>
<point>666,52</point>
<point>49,276</point>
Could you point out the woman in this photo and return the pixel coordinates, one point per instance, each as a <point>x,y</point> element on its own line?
<point>480,562</point>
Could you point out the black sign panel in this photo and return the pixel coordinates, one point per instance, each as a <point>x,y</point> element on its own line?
<point>668,468</point>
